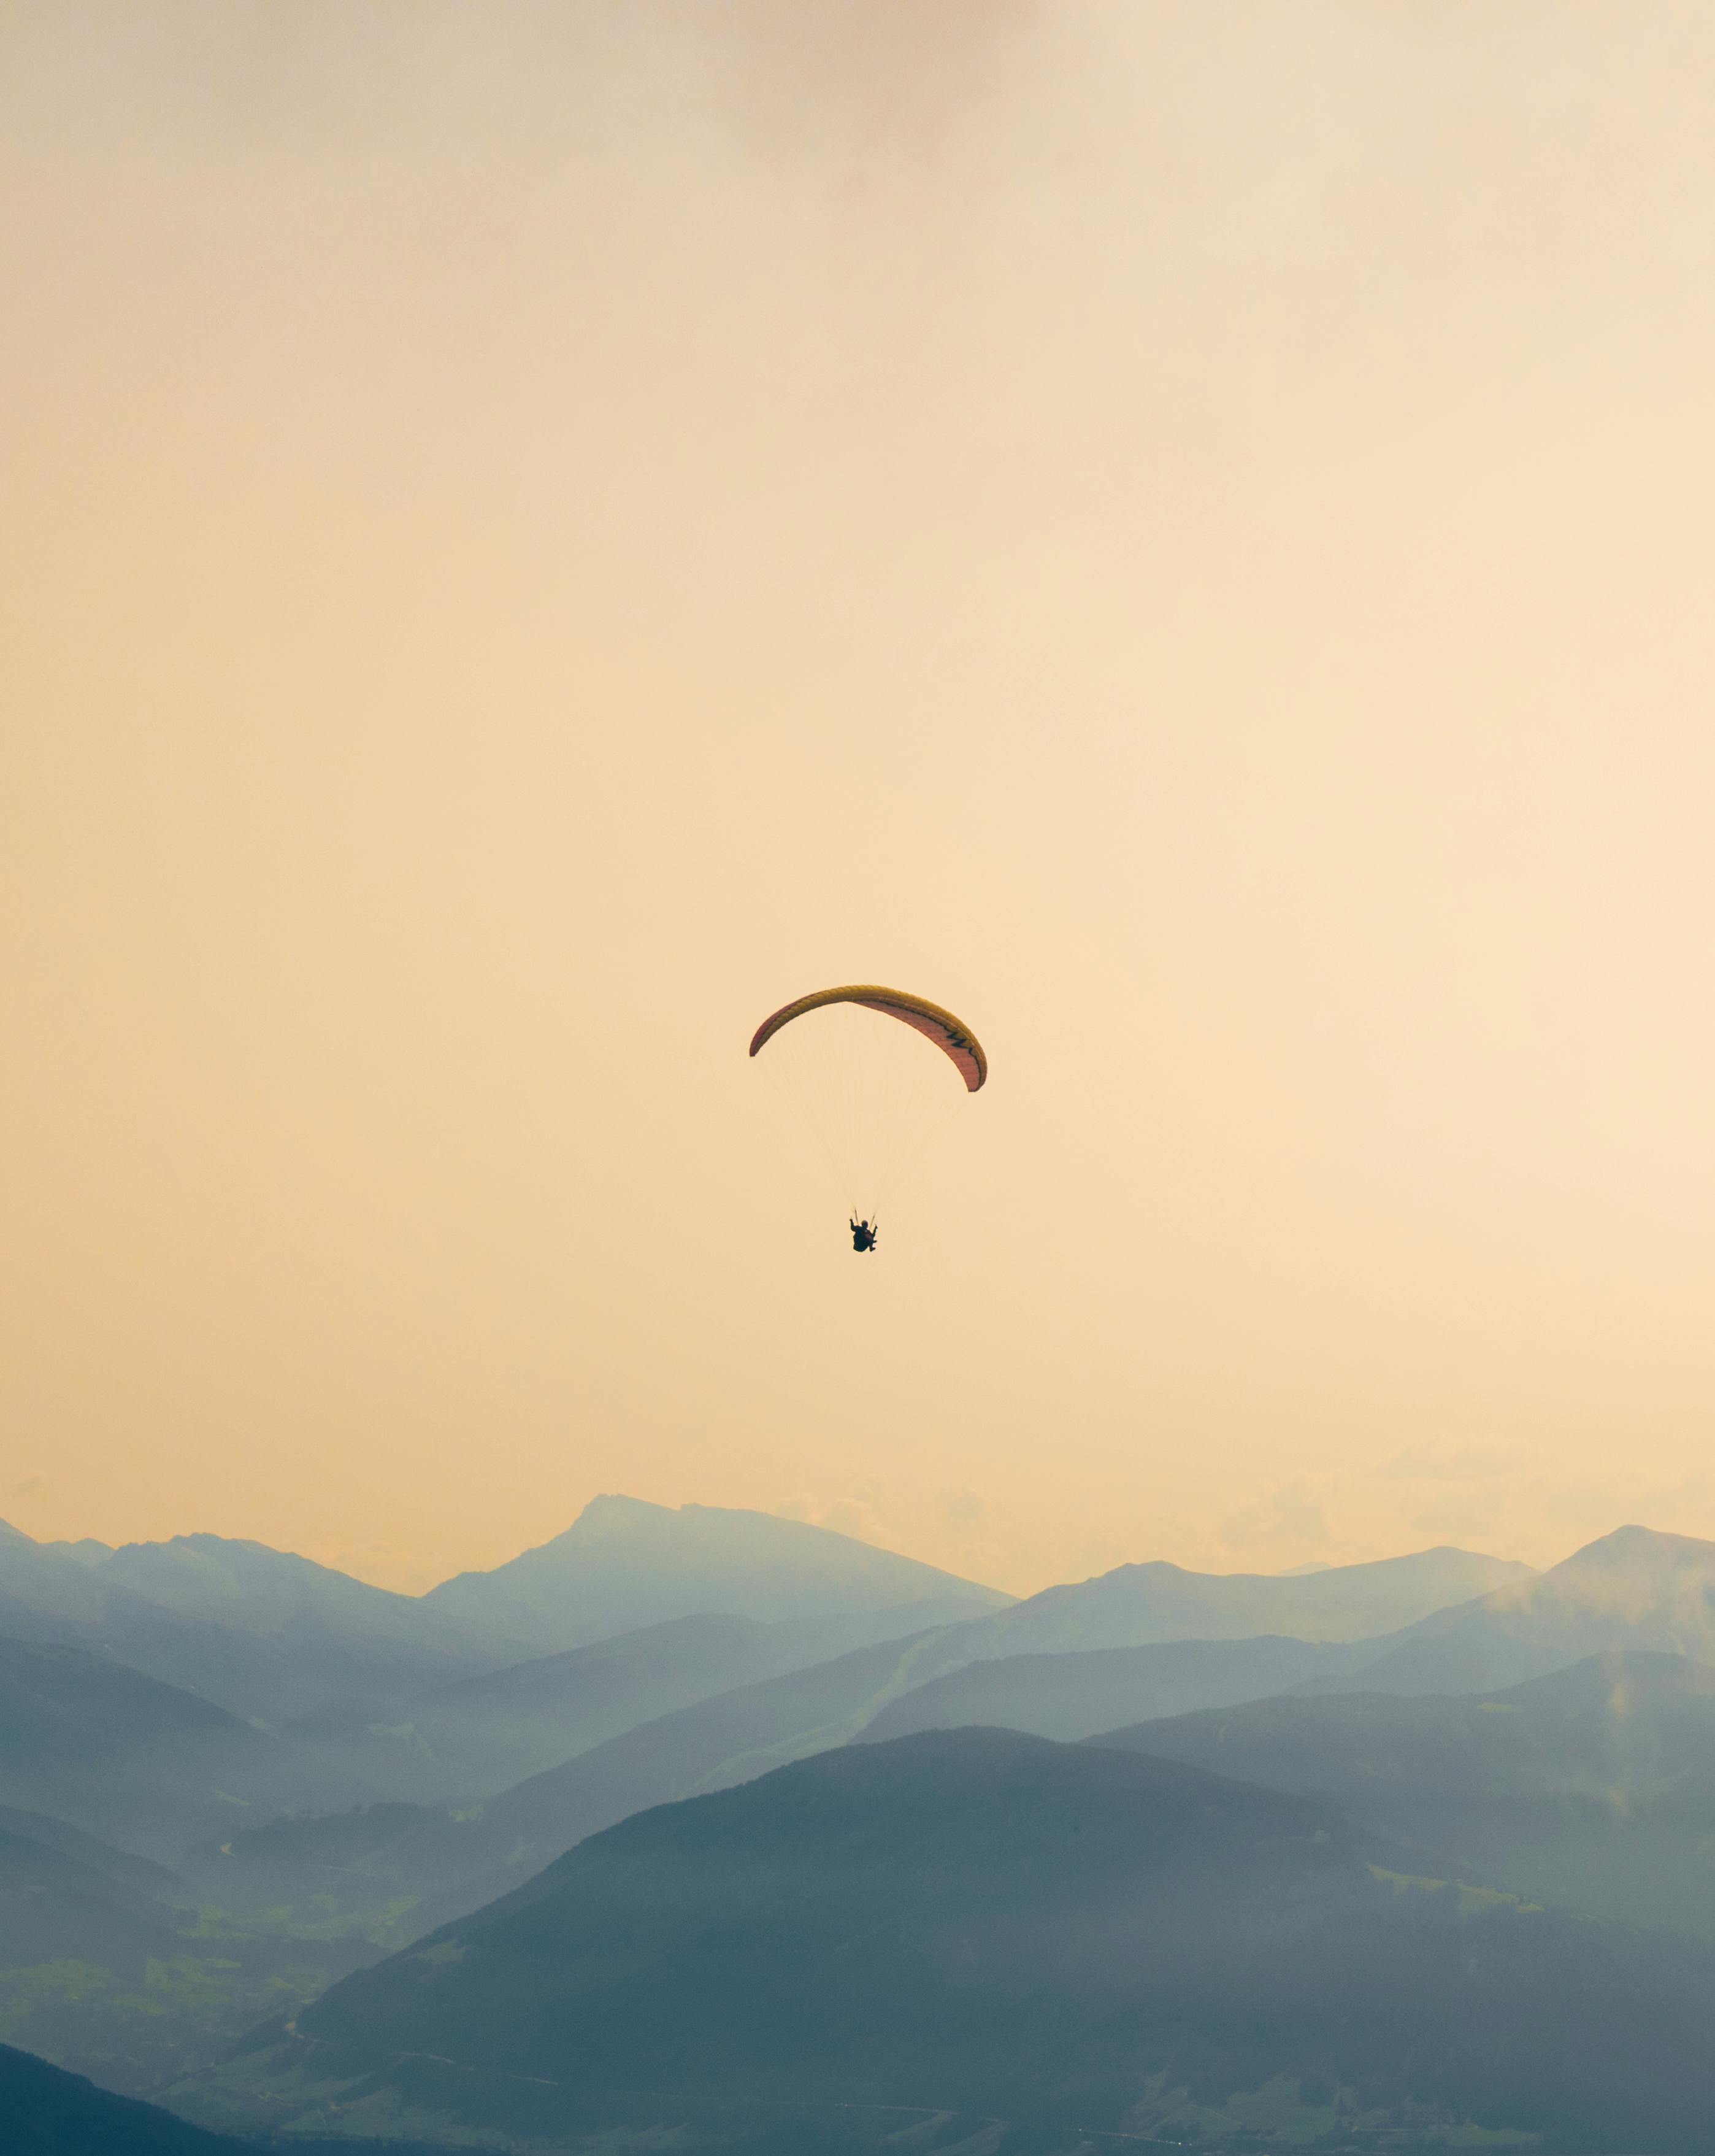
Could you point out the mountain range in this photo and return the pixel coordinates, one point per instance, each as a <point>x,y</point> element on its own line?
<point>971,1925</point>
<point>274,1637</point>
<point>393,1871</point>
<point>624,1564</point>
<point>1594,1786</point>
<point>176,1872</point>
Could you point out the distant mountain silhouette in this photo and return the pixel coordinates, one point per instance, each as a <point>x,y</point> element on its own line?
<point>1634,1590</point>
<point>143,1764</point>
<point>449,1859</point>
<point>489,1732</point>
<point>1594,1786</point>
<point>1074,1939</point>
<point>624,1564</point>
<point>141,1875</point>
<point>1068,1696</point>
<point>259,1632</point>
<point>276,1638</point>
<point>455,1858</point>
<point>1140,1606</point>
<point>47,2111</point>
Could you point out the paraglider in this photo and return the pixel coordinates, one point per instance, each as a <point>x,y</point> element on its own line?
<point>856,1090</point>
<point>951,1035</point>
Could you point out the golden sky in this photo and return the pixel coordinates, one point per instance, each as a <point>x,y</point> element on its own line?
<point>531,534</point>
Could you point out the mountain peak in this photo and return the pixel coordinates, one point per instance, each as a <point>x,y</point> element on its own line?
<point>611,1513</point>
<point>1641,1550</point>
<point>624,1563</point>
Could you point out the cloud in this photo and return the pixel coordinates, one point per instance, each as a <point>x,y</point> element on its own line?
<point>1460,1512</point>
<point>1450,1463</point>
<point>1292,1513</point>
<point>1600,1506</point>
<point>960,1509</point>
<point>853,83</point>
<point>854,1514</point>
<point>33,1484</point>
<point>1588,1506</point>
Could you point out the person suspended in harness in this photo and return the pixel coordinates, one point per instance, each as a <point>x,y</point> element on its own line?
<point>863,1234</point>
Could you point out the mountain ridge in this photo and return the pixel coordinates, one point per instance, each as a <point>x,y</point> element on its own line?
<point>991,1924</point>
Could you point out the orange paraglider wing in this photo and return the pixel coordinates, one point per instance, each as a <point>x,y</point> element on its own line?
<point>951,1034</point>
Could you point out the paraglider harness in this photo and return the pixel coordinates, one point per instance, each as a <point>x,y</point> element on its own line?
<point>864,1235</point>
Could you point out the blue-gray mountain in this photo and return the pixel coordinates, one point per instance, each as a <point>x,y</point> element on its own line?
<point>426,1863</point>
<point>1594,1786</point>
<point>1635,1590</point>
<point>108,1964</point>
<point>275,1638</point>
<point>1072,1939</point>
<point>624,1563</point>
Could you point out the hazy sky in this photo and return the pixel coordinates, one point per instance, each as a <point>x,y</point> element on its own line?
<point>531,534</point>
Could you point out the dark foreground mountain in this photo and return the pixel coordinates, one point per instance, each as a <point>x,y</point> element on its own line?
<point>1071,1940</point>
<point>1594,1786</point>
<point>46,2111</point>
<point>623,1564</point>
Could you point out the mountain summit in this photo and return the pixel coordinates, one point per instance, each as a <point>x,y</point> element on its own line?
<point>624,1563</point>
<point>1635,1591</point>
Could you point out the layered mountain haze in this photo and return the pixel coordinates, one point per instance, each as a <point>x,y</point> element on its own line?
<point>491,1731</point>
<point>297,1854</point>
<point>1068,1696</point>
<point>267,1634</point>
<point>1633,1590</point>
<point>276,1637</point>
<point>129,1758</point>
<point>1594,1786</point>
<point>420,1864</point>
<point>979,1923</point>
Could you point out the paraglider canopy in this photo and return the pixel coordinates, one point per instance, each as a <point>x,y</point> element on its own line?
<point>951,1034</point>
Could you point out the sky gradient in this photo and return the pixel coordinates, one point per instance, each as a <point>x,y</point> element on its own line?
<point>530,535</point>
